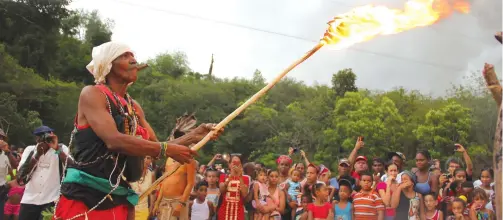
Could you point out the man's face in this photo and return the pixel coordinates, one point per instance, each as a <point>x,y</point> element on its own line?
<point>123,68</point>
<point>361,165</point>
<point>343,169</point>
<point>40,138</point>
<point>398,161</point>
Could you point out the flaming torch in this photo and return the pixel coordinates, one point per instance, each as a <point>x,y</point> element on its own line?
<point>358,25</point>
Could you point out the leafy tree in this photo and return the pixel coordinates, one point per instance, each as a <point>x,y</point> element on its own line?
<point>344,81</point>
<point>444,127</point>
<point>30,31</point>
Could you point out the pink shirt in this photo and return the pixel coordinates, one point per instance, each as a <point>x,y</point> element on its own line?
<point>389,211</point>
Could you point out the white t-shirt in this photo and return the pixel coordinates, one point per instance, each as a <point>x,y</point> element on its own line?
<point>44,185</point>
<point>4,168</point>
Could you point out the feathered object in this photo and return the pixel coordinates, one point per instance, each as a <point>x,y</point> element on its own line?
<point>184,124</point>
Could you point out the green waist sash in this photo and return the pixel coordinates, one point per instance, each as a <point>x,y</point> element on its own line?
<point>77,176</point>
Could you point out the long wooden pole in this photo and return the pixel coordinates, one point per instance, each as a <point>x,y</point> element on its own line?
<point>494,86</point>
<point>236,112</point>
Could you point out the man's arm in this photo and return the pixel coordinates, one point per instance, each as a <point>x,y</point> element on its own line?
<point>352,155</point>
<point>32,160</point>
<point>92,104</point>
<point>185,140</point>
<point>469,164</point>
<point>191,177</point>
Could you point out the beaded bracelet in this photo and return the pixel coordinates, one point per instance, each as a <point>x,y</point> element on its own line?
<point>162,152</point>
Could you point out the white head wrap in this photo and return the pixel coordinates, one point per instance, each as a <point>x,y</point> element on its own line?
<point>103,55</point>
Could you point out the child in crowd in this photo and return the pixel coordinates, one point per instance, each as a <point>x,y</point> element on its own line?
<point>478,209</point>
<point>293,186</point>
<point>261,198</point>
<point>201,208</point>
<point>213,191</point>
<point>460,175</point>
<point>430,205</point>
<point>458,205</point>
<point>367,203</point>
<point>486,179</point>
<point>302,213</point>
<point>13,203</point>
<point>320,209</point>
<point>466,193</point>
<point>343,210</point>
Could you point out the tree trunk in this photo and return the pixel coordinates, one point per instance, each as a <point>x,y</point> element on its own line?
<point>494,87</point>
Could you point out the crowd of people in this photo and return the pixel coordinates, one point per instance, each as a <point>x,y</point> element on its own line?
<point>228,188</point>
<point>303,190</point>
<point>113,158</point>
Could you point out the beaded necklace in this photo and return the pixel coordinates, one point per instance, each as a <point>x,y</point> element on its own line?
<point>128,129</point>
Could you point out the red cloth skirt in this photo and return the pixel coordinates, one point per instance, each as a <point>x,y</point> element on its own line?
<point>69,208</point>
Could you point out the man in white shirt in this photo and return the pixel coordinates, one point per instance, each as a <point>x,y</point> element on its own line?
<point>40,169</point>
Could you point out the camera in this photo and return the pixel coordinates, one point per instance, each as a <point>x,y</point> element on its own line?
<point>296,150</point>
<point>46,137</point>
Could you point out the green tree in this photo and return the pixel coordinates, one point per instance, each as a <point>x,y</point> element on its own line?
<point>30,31</point>
<point>344,81</point>
<point>444,127</point>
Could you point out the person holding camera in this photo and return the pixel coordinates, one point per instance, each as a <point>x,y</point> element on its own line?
<point>41,170</point>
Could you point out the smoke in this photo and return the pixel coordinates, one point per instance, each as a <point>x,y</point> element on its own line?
<point>488,13</point>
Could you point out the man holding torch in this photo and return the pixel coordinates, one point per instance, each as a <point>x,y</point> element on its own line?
<point>110,140</point>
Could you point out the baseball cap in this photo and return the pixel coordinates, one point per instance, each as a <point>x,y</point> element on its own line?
<point>344,161</point>
<point>361,158</point>
<point>399,154</point>
<point>42,130</point>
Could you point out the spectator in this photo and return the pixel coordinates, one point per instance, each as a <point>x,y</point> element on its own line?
<point>367,203</point>
<point>454,163</point>
<point>426,181</point>
<point>399,159</point>
<point>378,167</point>
<point>405,200</point>
<point>41,170</point>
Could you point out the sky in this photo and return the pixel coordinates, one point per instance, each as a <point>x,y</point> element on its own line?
<point>245,35</point>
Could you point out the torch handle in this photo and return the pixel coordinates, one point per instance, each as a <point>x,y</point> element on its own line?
<point>235,113</point>
<point>255,97</point>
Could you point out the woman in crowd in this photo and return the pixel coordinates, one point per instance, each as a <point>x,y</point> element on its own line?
<point>426,181</point>
<point>405,200</point>
<point>233,189</point>
<point>387,188</point>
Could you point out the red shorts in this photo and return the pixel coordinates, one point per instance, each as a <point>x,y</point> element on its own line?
<point>69,208</point>
<point>10,209</point>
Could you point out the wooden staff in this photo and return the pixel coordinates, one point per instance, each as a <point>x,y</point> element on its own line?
<point>494,87</point>
<point>236,112</point>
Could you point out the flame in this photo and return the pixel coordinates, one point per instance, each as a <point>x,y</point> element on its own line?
<point>366,22</point>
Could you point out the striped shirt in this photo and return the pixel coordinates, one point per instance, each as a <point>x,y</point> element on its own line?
<point>367,206</point>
